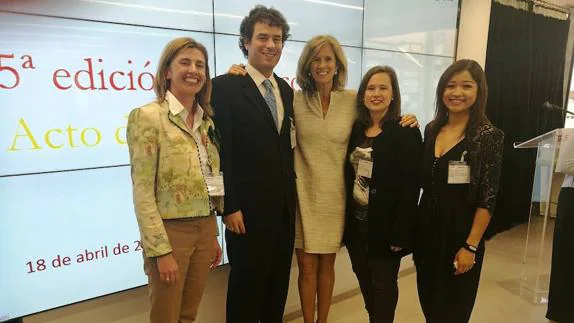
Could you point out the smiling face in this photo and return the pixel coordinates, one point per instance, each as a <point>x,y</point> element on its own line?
<point>186,73</point>
<point>378,94</point>
<point>265,47</point>
<point>460,93</point>
<point>323,66</point>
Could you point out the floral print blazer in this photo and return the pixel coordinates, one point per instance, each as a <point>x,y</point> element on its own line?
<point>167,178</point>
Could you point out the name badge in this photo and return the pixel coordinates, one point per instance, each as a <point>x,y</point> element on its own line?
<point>215,186</point>
<point>293,134</point>
<point>365,168</point>
<point>458,171</point>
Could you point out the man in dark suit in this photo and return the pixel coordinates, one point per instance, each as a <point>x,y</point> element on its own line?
<point>254,114</point>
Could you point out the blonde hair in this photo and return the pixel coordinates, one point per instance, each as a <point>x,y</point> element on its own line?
<point>161,83</point>
<point>311,49</point>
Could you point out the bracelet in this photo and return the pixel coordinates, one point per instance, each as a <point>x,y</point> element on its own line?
<point>470,247</point>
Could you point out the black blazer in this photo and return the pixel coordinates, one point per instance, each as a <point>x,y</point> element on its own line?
<point>257,161</point>
<point>394,188</point>
<point>485,158</point>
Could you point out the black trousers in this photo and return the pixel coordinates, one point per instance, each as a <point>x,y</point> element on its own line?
<point>560,304</point>
<point>445,297</point>
<point>377,277</point>
<point>260,263</point>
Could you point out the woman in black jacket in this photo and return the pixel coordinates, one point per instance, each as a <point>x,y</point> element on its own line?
<point>381,175</point>
<point>460,171</point>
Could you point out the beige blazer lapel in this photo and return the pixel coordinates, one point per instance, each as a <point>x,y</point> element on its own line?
<point>176,120</point>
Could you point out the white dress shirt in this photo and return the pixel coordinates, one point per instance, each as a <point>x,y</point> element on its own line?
<point>258,78</point>
<point>177,109</point>
<point>568,181</point>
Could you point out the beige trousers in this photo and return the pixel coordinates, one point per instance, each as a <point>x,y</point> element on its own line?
<point>193,249</point>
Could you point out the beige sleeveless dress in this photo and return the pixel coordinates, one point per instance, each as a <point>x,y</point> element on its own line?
<point>319,163</point>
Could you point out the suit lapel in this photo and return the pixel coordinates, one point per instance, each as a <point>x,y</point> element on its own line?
<point>257,100</point>
<point>287,113</point>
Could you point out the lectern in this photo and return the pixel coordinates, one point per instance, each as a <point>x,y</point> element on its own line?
<point>538,246</point>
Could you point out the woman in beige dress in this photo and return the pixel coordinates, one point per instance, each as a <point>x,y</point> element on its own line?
<point>324,114</point>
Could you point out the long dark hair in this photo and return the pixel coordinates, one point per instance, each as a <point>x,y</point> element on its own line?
<point>477,110</point>
<point>394,111</point>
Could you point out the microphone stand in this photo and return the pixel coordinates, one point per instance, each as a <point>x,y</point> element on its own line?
<point>552,107</point>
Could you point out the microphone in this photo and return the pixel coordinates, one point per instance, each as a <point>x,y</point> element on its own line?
<point>554,107</point>
<point>551,106</point>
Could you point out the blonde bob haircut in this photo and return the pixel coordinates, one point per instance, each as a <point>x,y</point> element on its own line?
<point>312,47</point>
<point>162,84</point>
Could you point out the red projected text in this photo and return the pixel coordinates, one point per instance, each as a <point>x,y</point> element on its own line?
<point>91,76</point>
<point>10,77</point>
<point>83,256</point>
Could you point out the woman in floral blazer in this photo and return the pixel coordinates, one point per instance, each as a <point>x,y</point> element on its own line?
<point>174,152</point>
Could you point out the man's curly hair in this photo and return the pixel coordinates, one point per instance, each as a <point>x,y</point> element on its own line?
<point>260,13</point>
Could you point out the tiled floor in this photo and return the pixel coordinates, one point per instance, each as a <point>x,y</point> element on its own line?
<point>500,299</point>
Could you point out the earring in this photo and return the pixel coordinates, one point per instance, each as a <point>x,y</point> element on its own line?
<point>336,72</point>
<point>309,74</point>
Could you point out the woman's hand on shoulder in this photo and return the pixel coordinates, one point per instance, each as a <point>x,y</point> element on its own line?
<point>409,120</point>
<point>237,69</point>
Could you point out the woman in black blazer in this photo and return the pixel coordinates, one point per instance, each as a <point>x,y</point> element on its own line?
<point>460,171</point>
<point>381,175</point>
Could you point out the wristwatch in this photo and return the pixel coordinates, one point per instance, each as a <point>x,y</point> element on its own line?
<point>470,247</point>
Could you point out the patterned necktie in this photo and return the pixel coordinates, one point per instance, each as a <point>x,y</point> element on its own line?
<point>270,99</point>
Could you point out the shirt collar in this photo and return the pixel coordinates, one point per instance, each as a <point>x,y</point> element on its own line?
<point>258,78</point>
<point>176,108</point>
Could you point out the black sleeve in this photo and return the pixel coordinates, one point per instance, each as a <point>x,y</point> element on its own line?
<point>490,157</point>
<point>349,170</point>
<point>410,148</point>
<point>427,132</point>
<point>221,103</point>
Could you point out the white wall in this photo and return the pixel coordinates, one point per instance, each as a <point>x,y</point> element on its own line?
<point>473,30</point>
<point>568,63</point>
